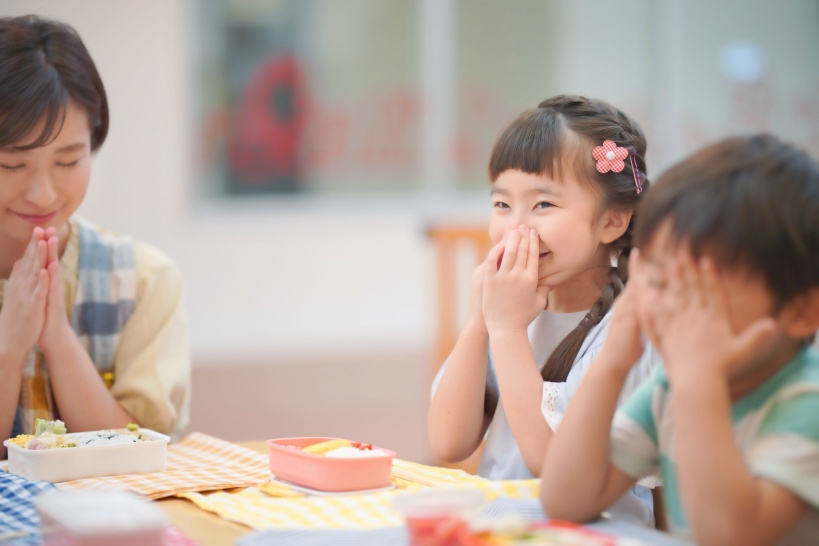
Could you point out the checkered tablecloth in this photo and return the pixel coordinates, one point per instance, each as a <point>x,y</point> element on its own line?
<point>197,463</point>
<point>19,521</point>
<point>258,510</point>
<point>202,463</point>
<point>608,531</point>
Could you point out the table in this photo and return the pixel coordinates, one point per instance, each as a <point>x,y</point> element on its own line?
<point>204,527</point>
<point>211,530</point>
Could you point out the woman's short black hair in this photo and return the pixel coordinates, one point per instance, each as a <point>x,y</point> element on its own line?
<point>43,65</point>
<point>747,202</point>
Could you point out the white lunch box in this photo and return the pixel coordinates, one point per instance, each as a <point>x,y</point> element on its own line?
<point>75,463</point>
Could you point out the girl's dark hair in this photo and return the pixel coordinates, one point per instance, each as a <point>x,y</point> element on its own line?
<point>556,139</point>
<point>748,202</point>
<point>43,65</point>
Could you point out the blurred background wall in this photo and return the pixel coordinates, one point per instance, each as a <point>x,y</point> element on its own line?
<point>312,295</point>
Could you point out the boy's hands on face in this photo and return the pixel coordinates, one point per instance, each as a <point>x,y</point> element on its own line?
<point>56,324</point>
<point>23,313</point>
<point>511,296</point>
<point>693,325</point>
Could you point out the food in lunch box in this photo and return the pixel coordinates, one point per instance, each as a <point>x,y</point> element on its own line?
<point>53,435</point>
<point>54,427</point>
<point>21,440</point>
<point>354,452</point>
<point>322,448</point>
<point>343,449</point>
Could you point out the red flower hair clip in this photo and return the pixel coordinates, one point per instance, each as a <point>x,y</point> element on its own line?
<point>609,157</point>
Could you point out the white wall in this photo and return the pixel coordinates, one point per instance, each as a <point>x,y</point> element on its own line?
<point>291,276</point>
<point>268,278</point>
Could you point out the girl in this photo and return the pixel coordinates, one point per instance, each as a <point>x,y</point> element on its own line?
<point>566,178</point>
<point>91,326</point>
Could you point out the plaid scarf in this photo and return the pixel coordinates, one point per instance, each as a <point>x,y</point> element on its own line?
<point>104,302</point>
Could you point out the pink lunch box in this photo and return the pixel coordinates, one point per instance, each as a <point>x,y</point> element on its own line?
<point>327,473</point>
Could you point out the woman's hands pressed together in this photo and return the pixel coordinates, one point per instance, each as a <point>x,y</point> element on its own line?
<point>56,327</point>
<point>512,297</point>
<point>33,308</point>
<point>23,313</point>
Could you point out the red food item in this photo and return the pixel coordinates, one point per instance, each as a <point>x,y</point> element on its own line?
<point>440,531</point>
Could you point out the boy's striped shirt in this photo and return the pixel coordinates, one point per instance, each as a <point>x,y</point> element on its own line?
<point>776,427</point>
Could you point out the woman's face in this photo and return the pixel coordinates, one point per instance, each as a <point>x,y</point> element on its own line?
<point>45,186</point>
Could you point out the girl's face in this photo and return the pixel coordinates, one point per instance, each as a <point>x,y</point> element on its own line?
<point>45,186</point>
<point>568,217</point>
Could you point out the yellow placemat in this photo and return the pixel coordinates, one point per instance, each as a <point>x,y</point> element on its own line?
<point>253,508</point>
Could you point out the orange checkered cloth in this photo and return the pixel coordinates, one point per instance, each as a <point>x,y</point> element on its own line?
<point>198,463</point>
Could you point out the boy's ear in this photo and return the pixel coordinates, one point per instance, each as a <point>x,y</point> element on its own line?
<point>615,224</point>
<point>802,314</point>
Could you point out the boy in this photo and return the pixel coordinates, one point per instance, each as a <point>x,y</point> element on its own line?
<point>726,286</point>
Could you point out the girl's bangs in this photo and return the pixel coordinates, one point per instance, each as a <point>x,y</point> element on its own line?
<point>538,143</point>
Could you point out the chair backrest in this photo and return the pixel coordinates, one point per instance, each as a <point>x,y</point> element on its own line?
<point>448,239</point>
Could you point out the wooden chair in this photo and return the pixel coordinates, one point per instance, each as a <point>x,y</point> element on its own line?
<point>660,520</point>
<point>448,240</point>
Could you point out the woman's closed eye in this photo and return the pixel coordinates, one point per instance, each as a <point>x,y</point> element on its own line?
<point>12,168</point>
<point>68,163</point>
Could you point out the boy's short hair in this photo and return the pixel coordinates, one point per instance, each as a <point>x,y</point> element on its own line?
<point>43,65</point>
<point>747,202</point>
